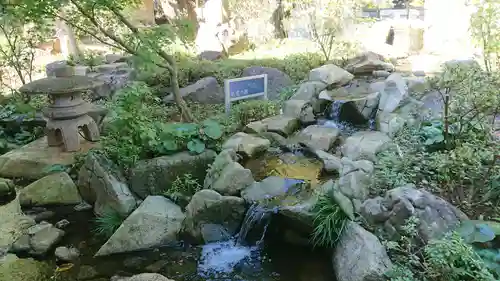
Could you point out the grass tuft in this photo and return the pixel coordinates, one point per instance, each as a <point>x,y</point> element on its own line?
<point>329,221</point>
<point>108,223</point>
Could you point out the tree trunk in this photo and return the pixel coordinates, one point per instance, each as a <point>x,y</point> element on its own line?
<point>186,114</point>
<point>67,39</point>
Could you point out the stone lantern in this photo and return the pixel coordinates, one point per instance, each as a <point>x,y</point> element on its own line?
<point>67,112</point>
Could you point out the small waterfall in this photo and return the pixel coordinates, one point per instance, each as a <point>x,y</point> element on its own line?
<point>334,117</point>
<point>220,259</point>
<point>335,111</point>
<point>257,215</point>
<point>373,125</point>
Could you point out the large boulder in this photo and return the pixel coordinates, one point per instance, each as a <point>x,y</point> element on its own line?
<point>226,175</point>
<point>156,222</point>
<point>410,112</point>
<point>390,123</point>
<point>43,237</point>
<point>209,207</point>
<point>331,163</point>
<point>32,161</point>
<point>276,79</point>
<point>13,223</point>
<point>115,76</point>
<point>434,104</point>
<point>247,145</point>
<point>330,74</point>
<point>206,90</point>
<point>144,277</point>
<point>355,178</point>
<point>368,62</point>
<point>365,145</point>
<point>435,216</point>
<point>359,256</point>
<point>15,269</point>
<point>394,92</point>
<point>359,102</point>
<point>233,179</point>
<point>268,188</point>
<point>282,125</point>
<point>309,90</point>
<point>300,109</point>
<point>318,137</point>
<point>224,158</point>
<point>54,189</point>
<point>102,183</point>
<point>7,191</point>
<point>151,177</point>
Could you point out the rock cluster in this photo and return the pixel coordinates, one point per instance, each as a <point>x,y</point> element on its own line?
<point>216,212</point>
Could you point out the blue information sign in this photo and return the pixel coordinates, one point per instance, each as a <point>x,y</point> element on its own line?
<point>245,88</point>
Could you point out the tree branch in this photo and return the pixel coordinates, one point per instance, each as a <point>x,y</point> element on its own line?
<point>168,58</point>
<point>86,31</point>
<point>111,36</point>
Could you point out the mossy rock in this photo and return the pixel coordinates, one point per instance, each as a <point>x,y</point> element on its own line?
<point>153,176</point>
<point>13,268</point>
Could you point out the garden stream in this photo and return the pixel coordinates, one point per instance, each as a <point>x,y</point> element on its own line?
<point>255,254</point>
<point>258,252</point>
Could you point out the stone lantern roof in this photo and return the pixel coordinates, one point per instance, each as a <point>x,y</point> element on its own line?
<point>60,85</point>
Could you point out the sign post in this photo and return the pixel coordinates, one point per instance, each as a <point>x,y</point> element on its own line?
<point>245,88</point>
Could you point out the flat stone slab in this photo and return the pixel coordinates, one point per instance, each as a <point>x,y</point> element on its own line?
<point>32,160</point>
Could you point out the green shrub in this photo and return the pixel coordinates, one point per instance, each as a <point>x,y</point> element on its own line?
<point>467,175</point>
<point>191,69</point>
<point>253,110</point>
<point>484,237</point>
<point>88,58</point>
<point>183,187</point>
<point>470,97</point>
<point>137,130</point>
<point>448,258</point>
<point>108,223</point>
<point>329,221</point>
<point>451,258</point>
<point>455,156</point>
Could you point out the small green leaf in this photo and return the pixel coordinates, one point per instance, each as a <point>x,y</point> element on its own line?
<point>476,232</point>
<point>196,146</point>
<point>170,145</point>
<point>56,168</point>
<point>212,129</point>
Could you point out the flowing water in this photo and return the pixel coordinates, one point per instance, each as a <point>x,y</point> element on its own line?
<point>223,258</point>
<point>250,256</point>
<point>333,120</point>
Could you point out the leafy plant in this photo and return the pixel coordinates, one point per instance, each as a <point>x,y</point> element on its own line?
<point>455,156</point>
<point>482,235</point>
<point>432,133</point>
<point>329,221</point>
<point>194,137</point>
<point>466,175</point>
<point>470,97</point>
<point>448,258</point>
<point>18,49</point>
<point>56,168</point>
<point>184,186</point>
<point>108,223</point>
<point>136,130</point>
<point>451,258</point>
<point>253,110</point>
<point>88,58</point>
<point>485,31</point>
